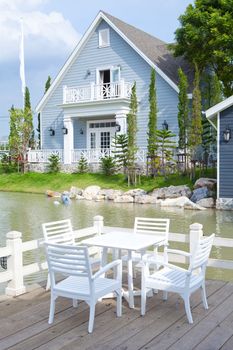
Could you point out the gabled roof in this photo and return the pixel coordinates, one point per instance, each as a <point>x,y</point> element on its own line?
<point>154,51</point>
<point>219,107</point>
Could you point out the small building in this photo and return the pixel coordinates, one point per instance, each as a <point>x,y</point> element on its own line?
<point>88,101</point>
<point>221,117</point>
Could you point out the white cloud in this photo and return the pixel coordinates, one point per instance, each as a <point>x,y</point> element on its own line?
<point>45,35</point>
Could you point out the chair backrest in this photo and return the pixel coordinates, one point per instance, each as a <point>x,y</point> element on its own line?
<point>152,226</point>
<point>202,252</point>
<point>60,232</point>
<point>67,260</point>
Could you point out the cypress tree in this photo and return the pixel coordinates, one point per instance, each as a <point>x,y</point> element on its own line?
<point>152,123</point>
<point>28,113</point>
<point>47,84</point>
<point>183,109</point>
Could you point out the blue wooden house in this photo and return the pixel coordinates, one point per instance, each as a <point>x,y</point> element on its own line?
<point>221,117</point>
<point>88,101</point>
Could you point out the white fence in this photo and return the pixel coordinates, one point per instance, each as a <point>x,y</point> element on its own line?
<point>94,92</point>
<point>15,248</point>
<point>42,155</point>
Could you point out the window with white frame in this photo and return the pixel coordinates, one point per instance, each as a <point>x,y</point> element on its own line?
<point>104,37</point>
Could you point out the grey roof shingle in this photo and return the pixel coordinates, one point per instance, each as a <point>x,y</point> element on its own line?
<point>156,50</point>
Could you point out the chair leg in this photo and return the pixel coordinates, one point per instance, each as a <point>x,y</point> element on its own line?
<point>143,300</point>
<point>119,303</point>
<point>48,285</point>
<point>52,309</point>
<point>91,317</point>
<point>203,296</point>
<point>75,303</point>
<point>164,296</point>
<point>187,308</point>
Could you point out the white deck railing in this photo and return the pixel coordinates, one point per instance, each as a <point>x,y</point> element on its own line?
<point>94,92</point>
<point>91,155</point>
<point>42,155</point>
<point>16,270</point>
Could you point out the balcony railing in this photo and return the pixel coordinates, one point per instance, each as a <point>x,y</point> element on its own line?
<point>95,92</point>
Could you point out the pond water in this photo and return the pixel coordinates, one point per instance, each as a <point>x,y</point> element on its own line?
<point>26,213</point>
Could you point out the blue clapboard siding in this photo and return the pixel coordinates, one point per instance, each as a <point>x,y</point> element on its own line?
<point>133,68</point>
<point>226,156</point>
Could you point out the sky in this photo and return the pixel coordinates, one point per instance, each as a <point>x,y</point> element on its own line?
<point>52,29</point>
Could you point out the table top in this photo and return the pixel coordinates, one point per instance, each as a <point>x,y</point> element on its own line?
<point>123,240</point>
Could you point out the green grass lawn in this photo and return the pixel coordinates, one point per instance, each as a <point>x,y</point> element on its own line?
<point>39,183</point>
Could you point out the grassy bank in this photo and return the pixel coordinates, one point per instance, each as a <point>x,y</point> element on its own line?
<point>39,183</point>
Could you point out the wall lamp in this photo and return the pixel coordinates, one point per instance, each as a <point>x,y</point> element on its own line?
<point>64,130</point>
<point>51,131</point>
<point>118,127</point>
<point>81,131</point>
<point>227,134</point>
<point>165,125</point>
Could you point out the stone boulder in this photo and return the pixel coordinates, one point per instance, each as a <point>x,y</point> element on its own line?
<point>75,191</point>
<point>99,198</point>
<point>145,199</point>
<point>200,193</point>
<point>123,199</point>
<point>172,192</point>
<point>136,192</point>
<point>78,197</point>
<point>180,202</point>
<point>205,182</point>
<point>54,194</point>
<point>90,192</point>
<point>207,203</point>
<point>112,194</point>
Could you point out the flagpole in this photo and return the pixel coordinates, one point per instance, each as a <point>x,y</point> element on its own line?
<point>21,60</point>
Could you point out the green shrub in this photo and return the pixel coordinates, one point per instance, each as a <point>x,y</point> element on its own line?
<point>54,163</point>
<point>83,165</point>
<point>108,165</point>
<point>7,165</point>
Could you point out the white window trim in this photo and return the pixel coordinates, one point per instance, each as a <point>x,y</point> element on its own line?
<point>106,30</point>
<point>111,68</point>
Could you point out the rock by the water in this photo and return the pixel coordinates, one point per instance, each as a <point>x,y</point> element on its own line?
<point>207,203</point>
<point>90,192</point>
<point>200,193</point>
<point>123,199</point>
<point>112,194</point>
<point>74,192</point>
<point>54,194</point>
<point>136,192</point>
<point>172,192</point>
<point>65,199</point>
<point>180,202</point>
<point>205,182</point>
<point>145,199</point>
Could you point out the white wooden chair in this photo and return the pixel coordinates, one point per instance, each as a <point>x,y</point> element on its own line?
<point>152,226</point>
<point>61,232</point>
<point>172,278</point>
<point>81,284</point>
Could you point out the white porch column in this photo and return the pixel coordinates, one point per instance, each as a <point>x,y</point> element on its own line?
<point>122,121</point>
<point>68,140</point>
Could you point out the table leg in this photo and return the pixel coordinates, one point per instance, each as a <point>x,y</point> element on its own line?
<point>130,279</point>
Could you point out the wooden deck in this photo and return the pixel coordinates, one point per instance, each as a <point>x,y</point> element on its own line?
<point>24,323</point>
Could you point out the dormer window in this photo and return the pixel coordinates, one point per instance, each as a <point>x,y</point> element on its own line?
<point>104,38</point>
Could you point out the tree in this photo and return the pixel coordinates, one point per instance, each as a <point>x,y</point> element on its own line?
<point>132,133</point>
<point>120,150</point>
<point>152,124</point>
<point>47,86</point>
<point>83,165</point>
<point>205,36</point>
<point>165,148</point>
<point>28,110</point>
<point>195,131</point>
<point>20,134</point>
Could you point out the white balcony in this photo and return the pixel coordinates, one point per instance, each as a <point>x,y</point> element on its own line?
<point>95,92</point>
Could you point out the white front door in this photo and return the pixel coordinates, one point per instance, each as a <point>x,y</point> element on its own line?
<point>100,134</point>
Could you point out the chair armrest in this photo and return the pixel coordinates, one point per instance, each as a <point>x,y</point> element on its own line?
<point>107,267</point>
<point>180,252</point>
<point>177,268</point>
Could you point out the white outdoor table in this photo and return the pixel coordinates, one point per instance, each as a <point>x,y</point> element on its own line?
<point>125,241</point>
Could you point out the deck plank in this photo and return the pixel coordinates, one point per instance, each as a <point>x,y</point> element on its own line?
<point>164,325</point>
<point>174,332</point>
